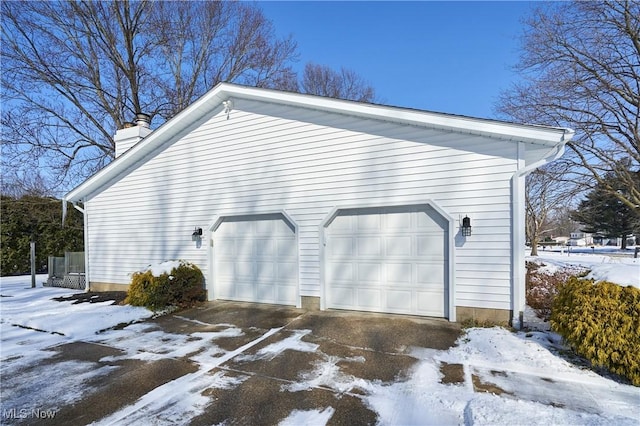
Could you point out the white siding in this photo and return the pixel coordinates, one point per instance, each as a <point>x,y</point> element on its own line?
<point>268,157</point>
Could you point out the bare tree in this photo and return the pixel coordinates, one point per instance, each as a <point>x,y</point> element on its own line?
<point>581,69</point>
<point>15,183</point>
<point>546,194</point>
<point>73,72</point>
<point>344,84</point>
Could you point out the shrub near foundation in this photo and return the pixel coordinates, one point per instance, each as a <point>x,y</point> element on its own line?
<point>182,287</point>
<point>601,321</point>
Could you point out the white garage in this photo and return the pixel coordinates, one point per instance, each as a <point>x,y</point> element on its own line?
<point>322,203</point>
<point>388,259</point>
<point>256,259</point>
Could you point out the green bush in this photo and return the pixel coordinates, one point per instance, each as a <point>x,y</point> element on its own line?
<point>182,288</point>
<point>601,321</point>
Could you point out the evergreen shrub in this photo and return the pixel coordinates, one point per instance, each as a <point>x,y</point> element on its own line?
<point>182,287</point>
<point>601,321</point>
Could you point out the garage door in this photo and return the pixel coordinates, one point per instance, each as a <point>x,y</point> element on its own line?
<point>256,259</point>
<point>388,260</point>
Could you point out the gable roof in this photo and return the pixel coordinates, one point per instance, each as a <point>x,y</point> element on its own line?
<point>552,137</point>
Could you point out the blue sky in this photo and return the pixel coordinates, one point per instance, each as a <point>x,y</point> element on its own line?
<point>452,57</point>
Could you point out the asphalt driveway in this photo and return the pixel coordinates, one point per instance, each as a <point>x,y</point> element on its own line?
<point>267,386</point>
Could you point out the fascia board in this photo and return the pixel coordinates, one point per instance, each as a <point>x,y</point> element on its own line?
<point>512,131</point>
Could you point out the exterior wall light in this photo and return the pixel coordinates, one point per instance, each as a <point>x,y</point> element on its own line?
<point>466,226</point>
<point>197,234</point>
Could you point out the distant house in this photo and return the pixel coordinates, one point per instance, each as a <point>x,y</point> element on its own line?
<point>580,239</point>
<point>315,202</point>
<point>561,240</point>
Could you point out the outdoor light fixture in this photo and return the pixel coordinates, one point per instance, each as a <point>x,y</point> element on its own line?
<point>197,233</point>
<point>466,226</point>
<point>228,106</point>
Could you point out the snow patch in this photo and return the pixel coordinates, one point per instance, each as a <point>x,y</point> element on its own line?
<point>308,417</point>
<point>293,342</point>
<point>165,267</point>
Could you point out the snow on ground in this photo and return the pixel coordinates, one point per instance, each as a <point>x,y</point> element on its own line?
<point>526,366</point>
<point>605,263</point>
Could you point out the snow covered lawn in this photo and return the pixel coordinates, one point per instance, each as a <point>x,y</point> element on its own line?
<point>605,263</point>
<point>506,377</point>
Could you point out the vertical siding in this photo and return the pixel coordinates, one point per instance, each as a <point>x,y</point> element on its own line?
<point>267,157</point>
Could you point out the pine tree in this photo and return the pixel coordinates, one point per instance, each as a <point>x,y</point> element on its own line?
<point>603,213</point>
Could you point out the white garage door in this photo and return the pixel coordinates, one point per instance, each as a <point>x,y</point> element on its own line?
<point>388,260</point>
<point>256,259</point>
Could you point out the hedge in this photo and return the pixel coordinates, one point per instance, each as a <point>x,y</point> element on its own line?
<point>182,287</point>
<point>601,321</point>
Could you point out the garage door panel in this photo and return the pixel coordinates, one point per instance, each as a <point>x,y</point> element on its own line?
<point>342,297</point>
<point>429,303</point>
<point>244,290</point>
<point>368,222</point>
<point>225,268</point>
<point>265,272</point>
<point>286,272</point>
<point>399,257</point>
<point>242,247</point>
<point>230,247</point>
<point>243,270</point>
<point>369,246</point>
<point>264,247</point>
<point>430,273</point>
<point>342,272</point>
<point>342,223</point>
<point>225,288</point>
<point>254,257</point>
<point>399,300</point>
<point>398,221</point>
<point>430,246</point>
<point>398,245</point>
<point>341,246</point>
<point>369,273</point>
<point>399,273</point>
<point>266,292</point>
<point>286,248</point>
<point>287,292</point>
<point>369,298</point>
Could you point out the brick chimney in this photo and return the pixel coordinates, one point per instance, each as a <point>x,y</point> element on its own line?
<point>131,133</point>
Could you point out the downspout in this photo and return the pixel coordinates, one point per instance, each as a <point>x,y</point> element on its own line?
<point>77,207</point>
<point>519,221</point>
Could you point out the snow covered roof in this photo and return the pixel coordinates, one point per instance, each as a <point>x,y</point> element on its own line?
<point>216,100</point>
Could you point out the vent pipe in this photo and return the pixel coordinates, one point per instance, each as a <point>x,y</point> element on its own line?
<point>143,120</point>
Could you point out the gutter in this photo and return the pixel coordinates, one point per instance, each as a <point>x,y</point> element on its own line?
<point>552,155</point>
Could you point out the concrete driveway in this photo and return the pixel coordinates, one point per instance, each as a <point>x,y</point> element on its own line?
<point>272,381</point>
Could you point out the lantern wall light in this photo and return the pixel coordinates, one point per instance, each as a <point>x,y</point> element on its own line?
<point>466,226</point>
<point>197,234</point>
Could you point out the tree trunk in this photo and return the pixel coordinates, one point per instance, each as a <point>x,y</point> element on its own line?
<point>534,246</point>
<point>623,246</point>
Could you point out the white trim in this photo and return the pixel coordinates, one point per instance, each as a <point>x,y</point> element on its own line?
<point>87,267</point>
<point>215,222</point>
<point>451,308</point>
